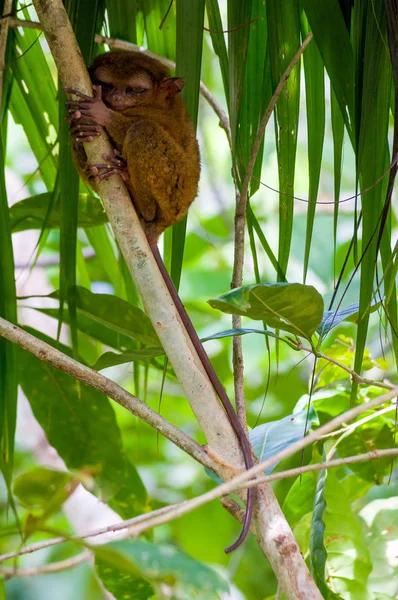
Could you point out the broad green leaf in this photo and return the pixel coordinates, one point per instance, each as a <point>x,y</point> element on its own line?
<point>348,561</point>
<point>270,438</point>
<point>31,213</point>
<point>110,359</point>
<point>377,433</point>
<point>382,534</point>
<point>328,403</point>
<point>343,351</point>
<point>300,498</point>
<point>95,330</point>
<point>43,489</point>
<point>105,310</point>
<point>120,565</point>
<point>292,307</point>
<point>122,19</point>
<point>162,42</point>
<point>80,424</point>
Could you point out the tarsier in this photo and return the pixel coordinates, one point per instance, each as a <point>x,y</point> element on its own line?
<point>156,153</point>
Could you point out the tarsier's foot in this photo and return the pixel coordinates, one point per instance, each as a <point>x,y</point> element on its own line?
<point>116,165</point>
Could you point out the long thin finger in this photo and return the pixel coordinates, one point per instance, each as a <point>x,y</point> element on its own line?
<point>86,113</point>
<point>73,104</point>
<point>108,174</point>
<point>73,116</point>
<point>97,89</point>
<point>77,93</point>
<point>79,128</point>
<point>85,137</point>
<point>104,166</point>
<point>115,161</point>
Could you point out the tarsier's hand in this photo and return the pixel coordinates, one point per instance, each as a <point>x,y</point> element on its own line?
<point>91,110</point>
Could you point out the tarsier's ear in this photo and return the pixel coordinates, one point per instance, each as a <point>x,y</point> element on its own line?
<point>173,85</point>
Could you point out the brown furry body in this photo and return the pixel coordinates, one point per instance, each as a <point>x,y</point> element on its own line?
<point>149,127</point>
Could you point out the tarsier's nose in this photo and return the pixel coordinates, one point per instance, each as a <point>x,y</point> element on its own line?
<point>118,97</point>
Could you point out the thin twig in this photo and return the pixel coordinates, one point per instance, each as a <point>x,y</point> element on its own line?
<point>4,25</point>
<point>239,235</point>
<point>90,534</point>
<point>123,45</point>
<point>329,464</point>
<point>139,524</point>
<point>57,359</point>
<point>62,565</point>
<point>354,375</point>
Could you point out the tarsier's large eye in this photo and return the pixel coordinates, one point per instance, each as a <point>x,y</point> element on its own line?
<point>136,90</point>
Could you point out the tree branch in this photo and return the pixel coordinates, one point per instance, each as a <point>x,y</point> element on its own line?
<point>57,359</point>
<point>62,565</point>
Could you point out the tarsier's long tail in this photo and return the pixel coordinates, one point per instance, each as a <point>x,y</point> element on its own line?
<point>208,367</point>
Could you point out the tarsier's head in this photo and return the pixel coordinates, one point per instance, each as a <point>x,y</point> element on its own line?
<point>131,79</point>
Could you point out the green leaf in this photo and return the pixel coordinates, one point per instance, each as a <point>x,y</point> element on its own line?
<point>300,498</point>
<point>31,213</point>
<point>218,41</point>
<point>332,318</point>
<point>80,424</point>
<point>239,14</point>
<point>343,351</point>
<point>110,359</point>
<point>382,534</point>
<point>8,310</point>
<point>348,561</point>
<point>315,101</point>
<point>374,73</point>
<point>100,312</point>
<point>292,307</point>
<point>122,19</point>
<point>328,403</point>
<point>43,488</point>
<point>270,438</point>
<point>332,38</point>
<point>120,565</point>
<point>163,42</point>
<point>287,110</point>
<point>375,434</point>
